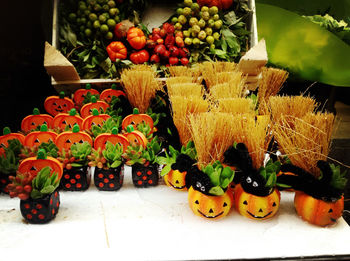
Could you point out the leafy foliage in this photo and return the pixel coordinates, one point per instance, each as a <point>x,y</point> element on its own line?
<point>106,127</point>
<point>50,148</point>
<point>269,173</point>
<point>80,152</point>
<point>44,183</point>
<point>10,160</point>
<point>338,180</point>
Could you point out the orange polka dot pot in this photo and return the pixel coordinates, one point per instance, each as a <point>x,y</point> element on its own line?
<point>42,210</point>
<point>76,179</point>
<point>145,176</point>
<point>109,179</point>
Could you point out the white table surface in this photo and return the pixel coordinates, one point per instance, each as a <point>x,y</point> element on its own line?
<point>157,224</point>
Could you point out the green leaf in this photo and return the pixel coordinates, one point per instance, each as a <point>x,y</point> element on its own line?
<point>48,189</point>
<point>321,56</point>
<point>215,178</point>
<point>165,170</point>
<point>116,164</point>
<point>35,194</point>
<point>271,181</point>
<point>217,191</point>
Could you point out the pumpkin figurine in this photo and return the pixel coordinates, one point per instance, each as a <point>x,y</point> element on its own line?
<point>79,95</point>
<point>114,138</point>
<point>86,110</point>
<point>176,165</point>
<point>66,121</point>
<point>135,137</point>
<point>108,94</point>
<point>66,139</point>
<point>34,121</point>
<point>209,193</point>
<point>35,138</point>
<point>58,104</point>
<point>8,135</point>
<point>95,119</point>
<point>137,119</point>
<point>319,201</point>
<point>255,196</point>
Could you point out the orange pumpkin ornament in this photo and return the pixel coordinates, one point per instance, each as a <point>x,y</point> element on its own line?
<point>136,118</point>
<point>106,95</point>
<point>63,120</point>
<point>135,137</point>
<point>207,206</point>
<point>176,179</point>
<point>79,95</point>
<point>86,110</point>
<point>221,4</point>
<point>256,207</point>
<point>31,122</point>
<point>136,38</point>
<point>66,139</point>
<point>58,104</point>
<point>114,138</point>
<point>35,138</point>
<point>95,119</point>
<point>33,165</point>
<point>8,135</point>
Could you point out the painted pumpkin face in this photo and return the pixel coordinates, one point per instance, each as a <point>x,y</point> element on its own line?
<point>107,94</point>
<point>317,211</point>
<point>79,95</point>
<point>176,179</point>
<point>66,139</point>
<point>62,120</point>
<point>9,136</point>
<point>94,120</point>
<point>101,140</point>
<point>31,122</point>
<point>58,104</point>
<point>256,207</point>
<point>211,207</point>
<point>136,138</point>
<point>136,119</point>
<point>35,138</point>
<point>33,165</point>
<point>86,110</point>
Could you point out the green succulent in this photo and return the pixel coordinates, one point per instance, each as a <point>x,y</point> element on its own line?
<point>338,180</point>
<point>107,127</point>
<point>50,148</point>
<point>44,183</point>
<point>220,177</point>
<point>269,173</point>
<point>80,151</point>
<point>9,161</point>
<point>90,98</point>
<point>113,155</point>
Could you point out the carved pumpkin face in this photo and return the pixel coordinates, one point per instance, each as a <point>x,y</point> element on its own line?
<point>31,122</point>
<point>58,104</point>
<point>136,119</point>
<point>317,211</point>
<point>33,165</point>
<point>86,110</point>
<point>62,120</point>
<point>94,120</point>
<point>176,179</point>
<point>211,207</point>
<point>256,207</point>
<point>9,136</point>
<point>107,94</point>
<point>101,140</point>
<point>66,139</point>
<point>79,95</point>
<point>35,138</point>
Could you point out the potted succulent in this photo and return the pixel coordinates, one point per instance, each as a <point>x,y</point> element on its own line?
<point>209,193</point>
<point>109,170</point>
<point>76,173</point>
<point>39,195</point>
<point>9,162</point>
<point>143,161</point>
<point>319,201</point>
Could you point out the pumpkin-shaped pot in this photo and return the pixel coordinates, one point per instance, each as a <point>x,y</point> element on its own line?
<point>95,119</point>
<point>79,95</point>
<point>33,165</point>
<point>35,138</point>
<point>62,120</point>
<point>221,4</point>
<point>107,95</point>
<point>8,135</point>
<point>256,207</point>
<point>66,139</point>
<point>31,122</point>
<point>114,138</point>
<point>58,104</point>
<point>136,118</point>
<point>135,137</point>
<point>86,110</point>
<point>207,206</point>
<point>318,211</point>
<point>176,180</point>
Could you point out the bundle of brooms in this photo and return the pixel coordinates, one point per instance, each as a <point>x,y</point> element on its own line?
<point>228,85</point>
<point>308,141</point>
<point>179,71</point>
<point>140,84</point>
<point>185,89</point>
<point>234,106</point>
<point>215,73</point>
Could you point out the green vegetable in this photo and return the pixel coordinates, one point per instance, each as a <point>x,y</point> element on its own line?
<point>44,183</point>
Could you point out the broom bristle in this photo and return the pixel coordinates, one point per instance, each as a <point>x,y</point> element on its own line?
<point>233,88</point>
<point>271,82</point>
<point>217,72</point>
<point>179,79</point>
<point>236,106</point>
<point>186,89</point>
<point>308,141</point>
<point>179,70</point>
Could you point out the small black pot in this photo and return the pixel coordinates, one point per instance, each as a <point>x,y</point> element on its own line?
<point>76,179</point>
<point>4,181</point>
<point>42,210</point>
<point>109,179</point>
<point>143,176</point>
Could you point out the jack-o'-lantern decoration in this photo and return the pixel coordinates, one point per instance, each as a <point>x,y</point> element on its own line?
<point>95,119</point>
<point>32,122</point>
<point>86,110</point>
<point>114,138</point>
<point>136,118</point>
<point>33,165</point>
<point>66,139</point>
<point>176,179</point>
<point>107,94</point>
<point>79,95</point>
<point>319,201</point>
<point>8,135</point>
<point>135,137</point>
<point>66,121</point>
<point>35,138</point>
<point>58,104</point>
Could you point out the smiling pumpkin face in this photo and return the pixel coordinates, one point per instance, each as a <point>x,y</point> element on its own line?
<point>176,179</point>
<point>317,211</point>
<point>211,207</point>
<point>256,207</point>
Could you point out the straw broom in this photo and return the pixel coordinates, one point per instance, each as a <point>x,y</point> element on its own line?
<point>186,89</point>
<point>309,140</point>
<point>235,106</point>
<point>179,70</point>
<point>233,88</point>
